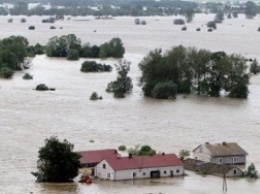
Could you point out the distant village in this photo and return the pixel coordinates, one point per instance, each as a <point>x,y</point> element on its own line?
<point>220,159</point>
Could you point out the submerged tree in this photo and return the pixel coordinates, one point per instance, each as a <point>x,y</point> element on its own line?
<point>57,161</point>
<point>189,14</point>
<point>251,10</point>
<point>251,172</point>
<point>123,84</point>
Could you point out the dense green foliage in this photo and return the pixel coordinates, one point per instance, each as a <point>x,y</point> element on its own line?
<point>122,148</point>
<point>184,153</point>
<point>93,66</point>
<point>179,21</point>
<point>251,9</point>
<point>49,20</point>
<point>23,20</point>
<point>141,150</point>
<point>219,17</point>
<point>6,72</point>
<point>254,67</point>
<point>27,76</point>
<point>70,46</point>
<point>41,87</point>
<point>212,24</point>
<point>123,84</point>
<point>31,28</point>
<point>251,172</point>
<point>73,55</point>
<point>95,96</point>
<point>58,162</point>
<point>37,49</point>
<point>189,14</point>
<point>186,70</point>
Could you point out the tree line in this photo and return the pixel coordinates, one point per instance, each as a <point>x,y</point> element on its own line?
<point>189,70</point>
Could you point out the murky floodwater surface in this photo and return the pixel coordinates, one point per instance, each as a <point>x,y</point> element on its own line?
<point>28,117</point>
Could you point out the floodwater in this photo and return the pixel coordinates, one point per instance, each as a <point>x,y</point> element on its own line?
<point>28,117</point>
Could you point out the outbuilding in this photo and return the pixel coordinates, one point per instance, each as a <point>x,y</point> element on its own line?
<point>220,153</point>
<point>139,167</point>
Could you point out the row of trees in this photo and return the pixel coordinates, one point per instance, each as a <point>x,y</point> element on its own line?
<point>186,70</point>
<point>70,46</point>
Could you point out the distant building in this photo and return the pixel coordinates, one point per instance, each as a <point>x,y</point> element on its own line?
<point>139,167</point>
<point>92,157</point>
<point>212,168</point>
<point>220,153</point>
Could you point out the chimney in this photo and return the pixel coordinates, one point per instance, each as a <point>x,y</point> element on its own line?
<point>224,143</point>
<point>130,155</point>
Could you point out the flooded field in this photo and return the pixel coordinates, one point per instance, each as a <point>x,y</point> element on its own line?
<point>28,117</point>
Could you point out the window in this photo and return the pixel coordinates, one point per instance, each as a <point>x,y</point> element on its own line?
<point>235,160</point>
<point>104,166</point>
<point>134,174</point>
<point>177,171</point>
<point>108,175</point>
<point>165,172</point>
<point>220,160</point>
<point>144,173</point>
<point>235,172</point>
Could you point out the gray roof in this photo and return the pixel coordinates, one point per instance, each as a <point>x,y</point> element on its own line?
<point>207,167</point>
<point>225,149</point>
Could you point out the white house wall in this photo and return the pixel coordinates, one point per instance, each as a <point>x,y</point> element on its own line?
<point>235,172</point>
<point>109,174</point>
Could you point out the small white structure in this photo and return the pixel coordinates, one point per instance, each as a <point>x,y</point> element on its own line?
<point>139,167</point>
<point>220,153</point>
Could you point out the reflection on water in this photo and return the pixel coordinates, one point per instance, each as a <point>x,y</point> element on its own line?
<point>28,117</point>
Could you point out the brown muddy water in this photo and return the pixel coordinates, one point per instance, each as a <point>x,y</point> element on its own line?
<point>28,117</point>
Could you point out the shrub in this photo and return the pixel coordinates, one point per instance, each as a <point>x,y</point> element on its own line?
<point>212,24</point>
<point>179,21</point>
<point>143,22</point>
<point>93,66</point>
<point>254,67</point>
<point>41,87</point>
<point>229,16</point>
<point>23,20</point>
<point>122,148</point>
<point>210,30</point>
<point>184,153</point>
<point>49,20</point>
<point>251,172</point>
<point>73,55</point>
<point>137,21</point>
<point>164,90</point>
<point>52,27</point>
<point>198,29</point>
<point>6,73</point>
<point>94,96</point>
<point>10,20</point>
<point>31,28</point>
<point>258,29</point>
<point>27,76</point>
<point>235,14</point>
<point>184,28</point>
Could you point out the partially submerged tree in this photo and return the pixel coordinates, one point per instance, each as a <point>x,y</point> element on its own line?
<point>57,161</point>
<point>123,83</point>
<point>251,10</point>
<point>251,172</point>
<point>189,14</point>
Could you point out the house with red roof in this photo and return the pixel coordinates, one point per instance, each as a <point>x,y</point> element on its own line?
<point>92,157</point>
<point>139,167</point>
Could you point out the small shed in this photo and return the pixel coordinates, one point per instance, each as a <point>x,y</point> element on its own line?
<point>212,168</point>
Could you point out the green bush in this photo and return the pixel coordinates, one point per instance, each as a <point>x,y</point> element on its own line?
<point>179,21</point>
<point>164,90</point>
<point>210,30</point>
<point>23,20</point>
<point>52,27</point>
<point>212,24</point>
<point>94,96</point>
<point>251,172</point>
<point>258,29</point>
<point>10,20</point>
<point>184,28</point>
<point>73,55</point>
<point>122,148</point>
<point>137,21</point>
<point>31,28</point>
<point>49,20</point>
<point>143,22</point>
<point>198,29</point>
<point>27,76</point>
<point>41,87</point>
<point>93,66</point>
<point>6,73</point>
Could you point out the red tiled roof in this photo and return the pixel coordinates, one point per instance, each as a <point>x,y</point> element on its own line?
<point>95,156</point>
<point>138,162</point>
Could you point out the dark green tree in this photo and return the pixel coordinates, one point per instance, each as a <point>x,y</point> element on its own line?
<point>254,67</point>
<point>189,14</point>
<point>57,161</point>
<point>73,55</point>
<point>251,9</point>
<point>123,84</point>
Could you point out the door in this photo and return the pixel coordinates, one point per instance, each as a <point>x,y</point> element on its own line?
<point>155,174</point>
<point>172,174</point>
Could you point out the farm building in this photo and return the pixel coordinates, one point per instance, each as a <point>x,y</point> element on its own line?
<point>212,168</point>
<point>220,153</point>
<point>139,167</point>
<point>92,157</point>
